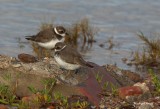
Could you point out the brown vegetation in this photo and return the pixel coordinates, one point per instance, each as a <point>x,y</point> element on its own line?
<point>150,55</point>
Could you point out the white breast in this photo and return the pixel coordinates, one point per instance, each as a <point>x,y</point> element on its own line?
<point>65,65</point>
<point>51,44</point>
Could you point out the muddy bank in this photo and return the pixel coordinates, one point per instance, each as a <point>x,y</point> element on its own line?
<point>47,68</point>
<point>87,82</point>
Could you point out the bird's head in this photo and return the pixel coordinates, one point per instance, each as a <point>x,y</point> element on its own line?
<point>60,30</point>
<point>59,46</point>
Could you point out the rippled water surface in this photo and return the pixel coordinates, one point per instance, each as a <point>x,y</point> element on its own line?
<point>121,19</point>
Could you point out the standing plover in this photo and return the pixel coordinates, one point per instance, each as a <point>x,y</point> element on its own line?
<point>49,37</point>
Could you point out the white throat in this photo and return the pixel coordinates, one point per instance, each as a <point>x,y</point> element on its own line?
<point>50,44</point>
<point>55,29</point>
<point>60,49</point>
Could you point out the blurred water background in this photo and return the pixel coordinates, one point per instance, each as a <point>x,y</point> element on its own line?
<point>120,19</point>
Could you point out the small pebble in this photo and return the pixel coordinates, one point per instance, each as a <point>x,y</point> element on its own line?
<point>16,65</point>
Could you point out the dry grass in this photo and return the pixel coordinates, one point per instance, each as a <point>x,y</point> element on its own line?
<point>81,34</point>
<point>150,56</point>
<point>45,26</point>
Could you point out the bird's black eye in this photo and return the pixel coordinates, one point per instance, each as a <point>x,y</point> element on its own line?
<point>58,47</point>
<point>61,31</point>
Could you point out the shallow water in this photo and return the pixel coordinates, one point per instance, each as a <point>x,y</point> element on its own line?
<point>118,18</point>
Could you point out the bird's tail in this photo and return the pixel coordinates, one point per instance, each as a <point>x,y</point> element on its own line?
<point>30,38</point>
<point>89,65</point>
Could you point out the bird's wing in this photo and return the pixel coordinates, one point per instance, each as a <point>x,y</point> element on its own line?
<point>80,61</point>
<point>44,36</point>
<point>69,54</point>
<point>78,58</point>
<point>73,57</point>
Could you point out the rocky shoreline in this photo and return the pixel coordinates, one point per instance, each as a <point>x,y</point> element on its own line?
<point>131,90</point>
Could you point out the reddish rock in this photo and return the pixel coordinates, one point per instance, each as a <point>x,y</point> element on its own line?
<point>129,91</point>
<point>91,88</point>
<point>27,58</point>
<point>3,106</point>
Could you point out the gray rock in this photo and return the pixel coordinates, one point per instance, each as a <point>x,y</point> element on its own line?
<point>146,105</point>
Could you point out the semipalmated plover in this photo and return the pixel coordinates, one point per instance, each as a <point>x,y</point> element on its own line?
<point>49,37</point>
<point>68,57</point>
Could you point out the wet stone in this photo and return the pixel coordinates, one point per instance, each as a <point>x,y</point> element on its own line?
<point>27,58</point>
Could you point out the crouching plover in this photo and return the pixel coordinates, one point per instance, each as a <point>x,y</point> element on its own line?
<point>49,37</point>
<point>68,57</point>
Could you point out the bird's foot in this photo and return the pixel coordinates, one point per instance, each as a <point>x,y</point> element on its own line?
<point>76,71</point>
<point>69,74</point>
